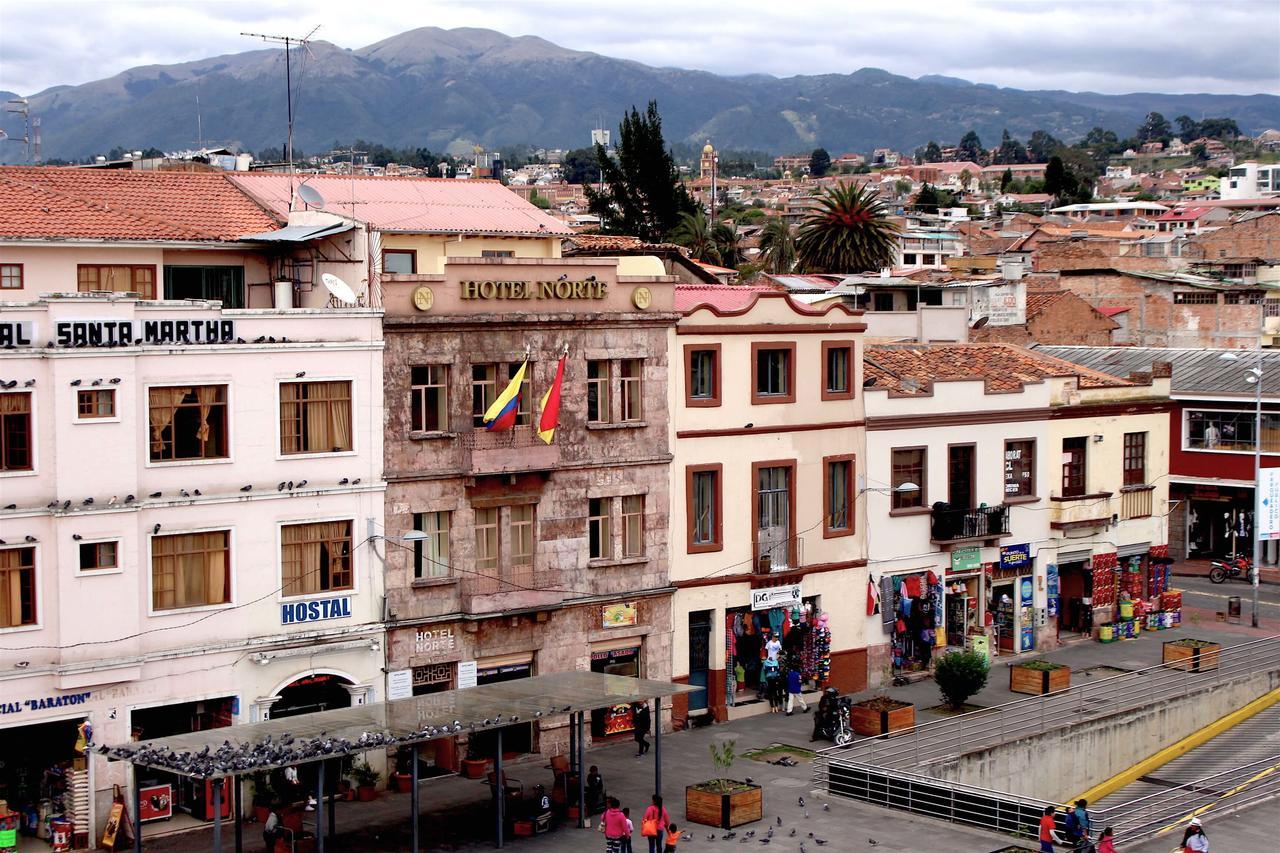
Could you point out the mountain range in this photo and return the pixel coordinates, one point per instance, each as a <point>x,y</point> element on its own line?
<point>452,89</point>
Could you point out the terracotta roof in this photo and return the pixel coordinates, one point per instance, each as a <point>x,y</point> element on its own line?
<point>617,243</point>
<point>910,368</point>
<point>412,205</point>
<point>1183,214</point>
<point>718,297</point>
<point>68,203</point>
<point>1113,310</point>
<point>1039,300</point>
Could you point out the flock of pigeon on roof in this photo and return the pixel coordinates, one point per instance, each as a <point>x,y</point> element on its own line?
<point>247,757</point>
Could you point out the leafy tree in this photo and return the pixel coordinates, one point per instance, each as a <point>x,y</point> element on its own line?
<point>151,153</point>
<point>694,233</point>
<point>848,231</point>
<point>1100,138</point>
<point>1154,128</point>
<point>1200,152</point>
<point>1055,177</point>
<point>1188,128</point>
<point>959,675</point>
<point>643,195</point>
<point>1219,128</point>
<point>1010,150</point>
<point>1006,179</point>
<point>580,166</point>
<point>971,149</point>
<point>926,200</point>
<point>819,162</point>
<point>727,244</point>
<point>965,177</point>
<point>901,188</point>
<point>777,247</point>
<point>1042,146</point>
<point>539,200</point>
<point>932,153</point>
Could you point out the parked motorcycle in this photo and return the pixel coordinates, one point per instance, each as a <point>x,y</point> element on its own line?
<point>1221,570</point>
<point>831,719</point>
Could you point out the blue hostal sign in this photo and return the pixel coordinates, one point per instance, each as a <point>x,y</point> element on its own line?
<point>293,613</point>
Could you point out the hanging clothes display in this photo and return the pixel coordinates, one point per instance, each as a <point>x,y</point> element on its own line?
<point>916,607</point>
<point>822,651</point>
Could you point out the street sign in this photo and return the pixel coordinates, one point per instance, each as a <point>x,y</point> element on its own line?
<point>776,596</point>
<point>1269,517</point>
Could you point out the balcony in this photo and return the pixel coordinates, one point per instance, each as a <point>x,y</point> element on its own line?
<point>950,525</point>
<point>1074,512</point>
<point>508,452</point>
<point>518,588</point>
<point>1135,501</point>
<point>775,557</point>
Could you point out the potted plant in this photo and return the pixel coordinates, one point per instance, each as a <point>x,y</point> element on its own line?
<point>366,779</point>
<point>402,778</point>
<point>959,675</point>
<point>263,796</point>
<point>722,801</point>
<point>474,766</point>
<point>1192,655</point>
<point>1039,676</point>
<point>881,715</point>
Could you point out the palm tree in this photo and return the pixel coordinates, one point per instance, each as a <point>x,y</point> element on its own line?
<point>694,233</point>
<point>848,232</point>
<point>777,247</point>
<point>726,244</point>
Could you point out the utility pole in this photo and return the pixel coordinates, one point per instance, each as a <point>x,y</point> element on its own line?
<point>289,43</point>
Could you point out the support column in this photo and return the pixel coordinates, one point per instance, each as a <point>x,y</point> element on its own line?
<point>137,811</point>
<point>657,746</point>
<point>413,798</point>
<point>238,793</point>
<point>501,787</point>
<point>217,816</point>
<point>333,805</point>
<point>320,807</point>
<point>576,722</point>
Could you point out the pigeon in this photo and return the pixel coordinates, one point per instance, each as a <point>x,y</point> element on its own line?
<point>259,339</point>
<point>300,374</point>
<point>115,381</point>
<point>792,833</point>
<point>66,505</point>
<point>802,850</point>
<point>156,494</point>
<point>826,807</point>
<point>729,835</point>
<point>51,504</point>
<point>301,483</point>
<point>197,493</point>
<point>770,832</point>
<point>129,499</point>
<point>239,340</point>
<point>806,817</point>
<point>802,802</point>
<point>764,840</point>
<point>872,842</point>
<point>356,481</point>
<point>75,382</point>
<point>779,820</point>
<point>115,499</point>
<point>88,501</point>
<point>751,833</point>
<point>184,493</point>
<point>344,481</point>
<point>819,841</point>
<point>280,487</point>
<point>750,781</point>
<point>28,383</point>
<point>290,485</point>
<point>248,488</point>
<point>11,506</point>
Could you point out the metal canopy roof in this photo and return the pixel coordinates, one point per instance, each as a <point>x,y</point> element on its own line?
<point>270,744</point>
<point>298,233</point>
<point>1196,371</point>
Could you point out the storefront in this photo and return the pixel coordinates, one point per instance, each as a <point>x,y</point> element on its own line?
<point>915,602</point>
<point>44,775</point>
<point>168,792</point>
<point>965,602</point>
<point>615,660</point>
<point>517,739</point>
<point>1219,519</point>
<point>1075,593</point>
<point>1011,602</point>
<point>800,626</point>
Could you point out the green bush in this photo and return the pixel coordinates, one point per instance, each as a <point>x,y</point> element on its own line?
<point>959,675</point>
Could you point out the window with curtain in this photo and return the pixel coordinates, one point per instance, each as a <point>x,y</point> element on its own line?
<point>631,371</point>
<point>633,526</point>
<point>599,531</point>
<point>839,493</point>
<point>598,408</point>
<point>908,467</point>
<point>703,371</point>
<point>315,557</point>
<point>522,534</point>
<point>190,570</point>
<point>837,369</point>
<point>315,417</point>
<point>429,398</point>
<point>15,432</point>
<point>117,279</point>
<point>486,530</point>
<point>96,403</point>
<point>1074,451</point>
<point>188,422</point>
<point>705,505</point>
<point>431,557</point>
<point>484,390</point>
<point>1135,458</point>
<point>17,587</point>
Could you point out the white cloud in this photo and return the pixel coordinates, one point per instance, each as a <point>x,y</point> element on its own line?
<point>1119,46</point>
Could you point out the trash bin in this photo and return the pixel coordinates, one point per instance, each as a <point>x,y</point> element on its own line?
<point>1233,608</point>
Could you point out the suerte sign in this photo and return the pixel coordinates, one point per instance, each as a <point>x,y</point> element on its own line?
<point>507,289</point>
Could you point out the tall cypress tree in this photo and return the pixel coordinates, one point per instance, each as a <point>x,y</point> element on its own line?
<point>643,195</point>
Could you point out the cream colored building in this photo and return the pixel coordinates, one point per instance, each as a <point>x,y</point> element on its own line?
<point>974,508</point>
<point>767,439</point>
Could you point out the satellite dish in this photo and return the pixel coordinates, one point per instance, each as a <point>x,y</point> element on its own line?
<point>338,288</point>
<point>310,195</point>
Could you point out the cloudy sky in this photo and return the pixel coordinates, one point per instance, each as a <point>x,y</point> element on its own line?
<point>1112,46</point>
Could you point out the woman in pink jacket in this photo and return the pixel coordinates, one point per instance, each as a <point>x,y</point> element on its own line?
<point>614,826</point>
<point>656,816</point>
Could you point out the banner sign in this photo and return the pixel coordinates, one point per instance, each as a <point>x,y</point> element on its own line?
<point>1015,556</point>
<point>775,596</point>
<point>1269,516</point>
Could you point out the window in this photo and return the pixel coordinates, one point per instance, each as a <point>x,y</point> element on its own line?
<point>1073,466</point>
<point>1211,429</point>
<point>1135,458</point>
<point>399,261</point>
<point>497,253</point>
<point>837,497</point>
<point>837,371</point>
<point>190,570</point>
<point>96,556</point>
<point>1019,468</point>
<point>773,373</point>
<point>224,284</point>
<point>882,301</point>
<point>522,534</point>
<point>630,372</point>
<point>316,557</point>
<point>524,403</point>
<point>484,390</point>
<point>599,533</point>
<point>96,403</point>
<point>703,507</point>
<point>15,432</point>
<point>486,528</point>
<point>702,375</point>
<point>429,398</point>
<point>961,485</point>
<point>1238,271</point>
<point>908,467</point>
<point>431,556</point>
<point>17,587</point>
<point>598,408</point>
<point>773,508</point>
<point>1195,297</point>
<point>188,422</point>
<point>117,279</point>
<point>633,526</point>
<point>10,276</point>
<point>315,417</point>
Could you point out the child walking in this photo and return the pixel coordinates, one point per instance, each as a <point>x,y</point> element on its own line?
<point>673,838</point>
<point>626,839</point>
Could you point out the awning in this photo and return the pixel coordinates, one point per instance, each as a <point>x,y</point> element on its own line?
<point>270,744</point>
<point>298,233</point>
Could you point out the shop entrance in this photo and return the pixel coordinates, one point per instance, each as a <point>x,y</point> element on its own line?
<point>1220,527</point>
<point>517,739</point>
<point>618,719</point>
<point>1003,606</point>
<point>1075,582</point>
<point>319,692</point>
<point>699,658</point>
<point>180,792</point>
<point>964,616</point>
<point>917,603</point>
<point>36,764</point>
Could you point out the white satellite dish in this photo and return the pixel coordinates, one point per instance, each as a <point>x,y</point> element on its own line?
<point>310,195</point>
<point>338,288</point>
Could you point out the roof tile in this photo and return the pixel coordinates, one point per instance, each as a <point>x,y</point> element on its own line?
<point>911,368</point>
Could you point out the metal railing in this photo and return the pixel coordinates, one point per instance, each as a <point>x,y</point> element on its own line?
<point>954,523</point>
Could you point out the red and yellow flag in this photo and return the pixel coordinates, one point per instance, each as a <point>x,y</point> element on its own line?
<point>550,417</point>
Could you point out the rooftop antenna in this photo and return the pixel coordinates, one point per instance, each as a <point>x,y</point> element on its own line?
<point>289,43</point>
<point>23,107</point>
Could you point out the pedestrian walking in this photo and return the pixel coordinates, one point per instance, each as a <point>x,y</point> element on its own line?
<point>775,687</point>
<point>654,824</point>
<point>1106,843</point>
<point>614,826</point>
<point>1194,839</point>
<point>794,686</point>
<point>642,722</point>
<point>631,828</point>
<point>1084,825</point>
<point>1047,826</point>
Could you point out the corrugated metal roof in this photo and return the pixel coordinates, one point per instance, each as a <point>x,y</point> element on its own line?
<point>298,233</point>
<point>1195,371</point>
<point>412,205</point>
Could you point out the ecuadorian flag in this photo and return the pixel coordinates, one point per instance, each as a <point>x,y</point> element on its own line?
<point>502,414</point>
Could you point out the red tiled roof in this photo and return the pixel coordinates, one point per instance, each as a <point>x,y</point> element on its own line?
<point>616,243</point>
<point>910,368</point>
<point>1039,300</point>
<point>718,297</point>
<point>1113,310</point>
<point>413,205</point>
<point>1183,214</point>
<point>108,204</point>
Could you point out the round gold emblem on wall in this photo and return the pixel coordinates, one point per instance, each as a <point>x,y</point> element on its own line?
<point>423,299</point>
<point>641,298</point>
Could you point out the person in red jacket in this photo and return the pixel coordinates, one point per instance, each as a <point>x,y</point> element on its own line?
<point>1047,826</point>
<point>655,817</point>
<point>614,826</point>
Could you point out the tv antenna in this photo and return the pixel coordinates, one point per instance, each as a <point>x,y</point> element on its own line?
<point>289,43</point>
<point>22,107</point>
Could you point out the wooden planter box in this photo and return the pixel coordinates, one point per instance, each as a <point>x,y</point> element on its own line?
<point>726,811</point>
<point>871,722</point>
<point>1024,679</point>
<point>1203,659</point>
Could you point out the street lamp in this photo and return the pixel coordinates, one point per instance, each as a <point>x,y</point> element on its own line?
<point>1254,377</point>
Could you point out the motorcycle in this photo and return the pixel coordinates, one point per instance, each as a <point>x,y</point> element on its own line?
<point>1221,570</point>
<point>831,719</point>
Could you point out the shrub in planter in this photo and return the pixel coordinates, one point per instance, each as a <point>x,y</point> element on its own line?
<point>1039,676</point>
<point>723,802</point>
<point>366,779</point>
<point>960,675</point>
<point>881,715</point>
<point>1192,655</point>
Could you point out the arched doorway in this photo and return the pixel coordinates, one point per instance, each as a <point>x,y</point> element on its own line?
<point>317,691</point>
